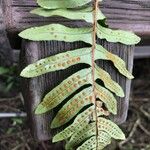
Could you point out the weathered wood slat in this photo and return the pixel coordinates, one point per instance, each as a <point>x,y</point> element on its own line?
<point>129,14</point>
<point>142,52</point>
<point>5,49</point>
<point>125,14</point>
<point>35,89</point>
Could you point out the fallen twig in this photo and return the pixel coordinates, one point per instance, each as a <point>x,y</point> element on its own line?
<point>18,146</point>
<point>131,134</point>
<point>146,114</point>
<point>145,130</point>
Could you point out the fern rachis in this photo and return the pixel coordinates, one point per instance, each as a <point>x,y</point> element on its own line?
<point>93,66</point>
<point>90,129</point>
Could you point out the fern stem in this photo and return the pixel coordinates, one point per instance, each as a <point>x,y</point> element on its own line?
<point>93,61</point>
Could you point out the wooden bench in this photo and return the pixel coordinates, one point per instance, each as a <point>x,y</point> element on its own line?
<point>124,14</point>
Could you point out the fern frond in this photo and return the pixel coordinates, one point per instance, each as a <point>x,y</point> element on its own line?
<point>80,96</point>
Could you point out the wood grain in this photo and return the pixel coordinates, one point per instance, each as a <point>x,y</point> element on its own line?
<point>35,89</point>
<point>5,49</point>
<point>125,14</point>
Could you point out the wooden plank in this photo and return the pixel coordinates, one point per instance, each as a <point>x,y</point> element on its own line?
<point>5,49</point>
<point>125,14</point>
<point>129,14</point>
<point>142,52</point>
<point>34,89</point>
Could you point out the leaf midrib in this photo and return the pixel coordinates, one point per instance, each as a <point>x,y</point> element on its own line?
<point>93,62</point>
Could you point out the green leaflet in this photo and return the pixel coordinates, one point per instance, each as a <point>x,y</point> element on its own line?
<point>87,132</point>
<point>62,91</point>
<point>57,32</point>
<point>91,144</point>
<point>57,62</point>
<point>79,14</point>
<point>110,35</point>
<point>102,53</point>
<point>107,129</point>
<point>107,98</point>
<point>108,82</point>
<point>72,107</point>
<point>80,122</point>
<point>111,128</point>
<point>53,4</point>
<point>81,135</point>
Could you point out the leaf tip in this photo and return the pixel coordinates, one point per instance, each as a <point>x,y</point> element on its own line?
<point>131,77</point>
<point>32,12</point>
<point>24,73</point>
<point>55,139</point>
<point>40,110</point>
<point>21,34</point>
<point>114,112</point>
<point>138,39</point>
<point>121,92</point>
<point>123,137</point>
<point>37,111</point>
<point>54,124</point>
<point>25,34</point>
<point>121,95</point>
